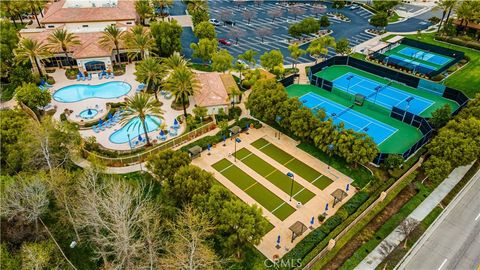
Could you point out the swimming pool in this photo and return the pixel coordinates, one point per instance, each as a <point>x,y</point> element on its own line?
<point>79,92</point>
<point>134,128</point>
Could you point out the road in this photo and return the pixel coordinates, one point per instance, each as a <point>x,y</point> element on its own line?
<point>454,241</point>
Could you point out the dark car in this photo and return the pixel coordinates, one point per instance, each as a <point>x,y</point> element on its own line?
<point>224,41</point>
<point>229,22</point>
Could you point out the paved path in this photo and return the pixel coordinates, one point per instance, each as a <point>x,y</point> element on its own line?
<point>453,242</point>
<point>395,237</point>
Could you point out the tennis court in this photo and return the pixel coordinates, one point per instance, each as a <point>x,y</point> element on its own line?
<point>276,177</point>
<point>382,94</point>
<point>254,189</point>
<point>415,57</point>
<point>424,55</point>
<point>296,166</point>
<point>352,119</point>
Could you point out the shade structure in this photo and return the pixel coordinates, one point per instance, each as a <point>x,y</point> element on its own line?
<point>297,229</point>
<point>338,196</point>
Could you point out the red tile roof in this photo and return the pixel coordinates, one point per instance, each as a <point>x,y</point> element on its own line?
<point>56,13</point>
<point>212,91</point>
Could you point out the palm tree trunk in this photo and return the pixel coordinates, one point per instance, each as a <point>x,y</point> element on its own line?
<point>13,20</point>
<point>441,21</point>
<point>68,59</point>
<point>34,13</point>
<point>184,107</point>
<point>38,67</point>
<point>20,17</point>
<point>448,15</point>
<point>118,54</point>
<point>145,131</point>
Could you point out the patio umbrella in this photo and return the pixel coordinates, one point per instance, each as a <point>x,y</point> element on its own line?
<point>89,112</point>
<point>175,123</point>
<point>140,137</point>
<point>110,116</point>
<point>162,133</point>
<point>100,122</point>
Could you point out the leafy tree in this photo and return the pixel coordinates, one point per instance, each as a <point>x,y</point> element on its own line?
<point>440,116</point>
<point>472,109</point>
<point>163,6</point>
<point>204,49</point>
<point>385,6</point>
<point>325,136</point>
<point>31,50</point>
<point>200,112</point>
<point>8,43</point>
<point>296,52</point>
<point>167,37</point>
<point>249,57</point>
<point>271,60</point>
<point>188,182</point>
<point>222,61</point>
<point>286,110</point>
<point>165,164</point>
<point>319,47</point>
<point>142,106</point>
<point>111,38</point>
<point>265,99</point>
<point>303,122</point>
<point>324,21</point>
<point>437,168</point>
<point>243,225</point>
<point>204,30</point>
<point>62,40</point>
<point>139,41</point>
<point>8,261</point>
<point>380,19</point>
<point>40,255</point>
<point>151,72</point>
<point>182,84</point>
<point>32,96</point>
<point>143,9</point>
<point>343,47</point>
<point>393,161</point>
<point>338,4</point>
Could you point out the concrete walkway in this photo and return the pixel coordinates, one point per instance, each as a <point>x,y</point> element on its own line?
<point>396,237</point>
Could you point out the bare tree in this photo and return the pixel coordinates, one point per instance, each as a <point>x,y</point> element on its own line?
<point>258,2</point>
<point>121,219</point>
<point>296,11</point>
<point>385,248</point>
<point>236,33</point>
<point>225,15</point>
<point>275,13</point>
<point>240,3</point>
<point>317,9</point>
<point>248,15</point>
<point>406,228</point>
<point>188,248</point>
<point>264,31</point>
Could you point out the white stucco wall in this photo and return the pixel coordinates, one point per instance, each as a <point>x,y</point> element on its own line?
<point>90,26</point>
<point>214,109</point>
<point>106,60</point>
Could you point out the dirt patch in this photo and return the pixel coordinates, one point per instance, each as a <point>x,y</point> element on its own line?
<point>356,242</point>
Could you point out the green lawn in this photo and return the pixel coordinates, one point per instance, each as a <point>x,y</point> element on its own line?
<point>257,191</point>
<point>333,72</point>
<point>297,166</point>
<point>397,143</point>
<point>273,175</point>
<point>394,18</point>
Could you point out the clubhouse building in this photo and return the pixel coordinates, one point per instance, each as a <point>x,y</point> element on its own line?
<point>86,19</point>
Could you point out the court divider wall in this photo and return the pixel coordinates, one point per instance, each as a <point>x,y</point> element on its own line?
<point>457,96</point>
<point>289,80</point>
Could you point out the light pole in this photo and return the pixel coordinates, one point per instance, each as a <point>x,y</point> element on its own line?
<point>349,79</point>
<point>386,61</point>
<point>237,140</point>
<point>289,174</point>
<point>330,150</point>
<point>408,107</point>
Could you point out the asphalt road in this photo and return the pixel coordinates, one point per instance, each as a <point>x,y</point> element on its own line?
<point>454,241</point>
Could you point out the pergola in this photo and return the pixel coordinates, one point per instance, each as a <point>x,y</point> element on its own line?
<point>338,196</point>
<point>298,228</point>
<point>195,151</point>
<point>235,131</point>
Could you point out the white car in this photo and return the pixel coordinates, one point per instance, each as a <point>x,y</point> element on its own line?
<point>243,63</point>
<point>353,7</point>
<point>215,22</point>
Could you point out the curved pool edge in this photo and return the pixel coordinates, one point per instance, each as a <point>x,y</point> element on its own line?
<point>91,85</point>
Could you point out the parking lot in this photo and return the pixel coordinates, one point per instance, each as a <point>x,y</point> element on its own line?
<point>274,31</point>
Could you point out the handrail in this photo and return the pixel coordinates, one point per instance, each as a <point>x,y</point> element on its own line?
<point>138,157</point>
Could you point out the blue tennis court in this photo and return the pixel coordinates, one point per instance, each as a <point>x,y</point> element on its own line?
<point>381,94</point>
<point>424,55</point>
<point>412,62</point>
<point>352,119</point>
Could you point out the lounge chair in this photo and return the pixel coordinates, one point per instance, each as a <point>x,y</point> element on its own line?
<point>89,76</point>
<point>95,129</point>
<point>100,75</point>
<point>78,77</point>
<point>106,75</point>
<point>111,75</point>
<point>83,77</point>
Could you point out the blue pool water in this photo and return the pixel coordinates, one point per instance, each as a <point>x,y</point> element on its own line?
<point>78,92</point>
<point>134,128</point>
<point>88,113</point>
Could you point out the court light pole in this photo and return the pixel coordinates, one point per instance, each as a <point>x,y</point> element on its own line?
<point>349,79</point>
<point>237,140</point>
<point>291,175</point>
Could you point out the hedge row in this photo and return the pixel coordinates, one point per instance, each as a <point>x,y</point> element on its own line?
<point>460,42</point>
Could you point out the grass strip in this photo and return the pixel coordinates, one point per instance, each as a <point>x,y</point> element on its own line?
<point>295,165</point>
<point>276,177</point>
<point>255,190</point>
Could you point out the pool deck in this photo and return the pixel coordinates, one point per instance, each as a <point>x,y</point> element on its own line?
<point>101,105</point>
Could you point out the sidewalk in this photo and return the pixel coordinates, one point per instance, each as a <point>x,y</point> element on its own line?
<point>395,237</point>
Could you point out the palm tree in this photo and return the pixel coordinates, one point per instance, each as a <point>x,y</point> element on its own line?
<point>174,61</point>
<point>62,40</point>
<point>162,5</point>
<point>320,46</point>
<point>151,72</point>
<point>138,41</point>
<point>295,52</point>
<point>445,5</point>
<point>182,83</point>
<point>465,12</point>
<point>112,35</point>
<point>31,50</point>
<point>140,106</point>
<point>144,10</point>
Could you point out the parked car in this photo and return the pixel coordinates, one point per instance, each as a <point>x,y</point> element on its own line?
<point>353,7</point>
<point>228,22</point>
<point>224,41</point>
<point>242,62</point>
<point>215,22</point>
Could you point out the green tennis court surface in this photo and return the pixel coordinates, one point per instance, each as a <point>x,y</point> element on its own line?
<point>257,191</point>
<point>295,165</point>
<point>397,143</point>
<point>276,177</point>
<point>333,72</point>
<point>418,55</point>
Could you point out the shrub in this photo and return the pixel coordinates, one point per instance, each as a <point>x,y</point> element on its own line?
<point>438,77</point>
<point>50,80</point>
<point>63,117</point>
<point>321,217</point>
<point>71,73</point>
<point>452,69</point>
<point>331,224</point>
<point>355,202</point>
<point>342,213</point>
